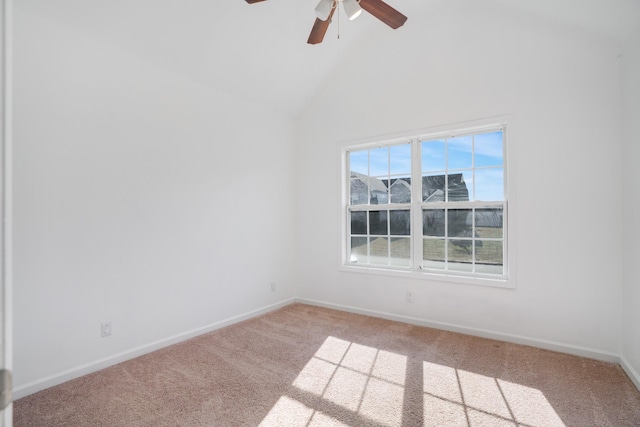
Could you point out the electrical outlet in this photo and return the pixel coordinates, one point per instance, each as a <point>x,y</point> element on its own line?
<point>409,296</point>
<point>105,329</point>
<point>273,286</point>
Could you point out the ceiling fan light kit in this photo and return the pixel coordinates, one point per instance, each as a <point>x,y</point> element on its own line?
<point>323,9</point>
<point>353,8</point>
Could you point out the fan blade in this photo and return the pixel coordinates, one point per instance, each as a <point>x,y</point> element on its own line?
<point>320,29</point>
<point>253,1</point>
<point>384,12</point>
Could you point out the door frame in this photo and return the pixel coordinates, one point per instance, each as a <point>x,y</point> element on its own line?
<point>6,301</point>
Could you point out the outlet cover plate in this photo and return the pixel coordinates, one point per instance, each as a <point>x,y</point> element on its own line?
<point>409,297</point>
<point>105,329</point>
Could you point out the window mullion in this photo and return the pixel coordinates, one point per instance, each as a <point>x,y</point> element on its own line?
<point>446,170</point>
<point>473,168</point>
<point>446,239</point>
<point>416,204</point>
<point>394,207</point>
<point>388,203</point>
<point>473,240</point>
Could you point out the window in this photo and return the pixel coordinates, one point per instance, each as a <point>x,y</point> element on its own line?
<point>433,204</point>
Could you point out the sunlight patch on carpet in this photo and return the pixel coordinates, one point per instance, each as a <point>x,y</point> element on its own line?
<point>287,411</point>
<point>482,393</point>
<point>529,405</point>
<point>349,381</point>
<point>455,397</point>
<point>364,380</point>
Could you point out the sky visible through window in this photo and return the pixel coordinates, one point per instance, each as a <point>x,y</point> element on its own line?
<point>478,157</point>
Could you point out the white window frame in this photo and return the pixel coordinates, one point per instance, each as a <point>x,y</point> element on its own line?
<point>504,123</point>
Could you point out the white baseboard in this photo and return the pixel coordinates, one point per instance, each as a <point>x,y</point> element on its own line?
<point>483,333</point>
<point>70,374</point>
<point>61,377</point>
<point>632,373</point>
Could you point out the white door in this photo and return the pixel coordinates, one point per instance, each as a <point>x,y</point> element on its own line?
<point>5,224</point>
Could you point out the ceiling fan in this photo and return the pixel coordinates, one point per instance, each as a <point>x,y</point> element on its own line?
<point>326,8</point>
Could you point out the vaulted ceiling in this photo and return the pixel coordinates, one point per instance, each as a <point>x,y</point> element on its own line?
<point>260,52</point>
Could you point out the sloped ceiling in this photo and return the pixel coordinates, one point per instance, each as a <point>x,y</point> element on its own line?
<point>259,52</point>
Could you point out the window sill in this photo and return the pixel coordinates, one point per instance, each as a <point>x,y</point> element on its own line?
<point>497,282</point>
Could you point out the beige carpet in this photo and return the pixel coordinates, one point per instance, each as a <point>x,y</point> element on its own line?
<point>310,366</point>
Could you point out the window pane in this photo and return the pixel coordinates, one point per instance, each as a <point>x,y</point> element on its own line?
<point>378,192</point>
<point>433,188</point>
<point>378,223</point>
<point>400,222</point>
<point>400,191</point>
<point>433,158</point>
<point>359,161</point>
<point>433,222</point>
<point>359,251</point>
<point>460,254</point>
<point>401,251</point>
<point>433,253</point>
<point>459,222</point>
<point>379,250</point>
<point>489,252</point>
<point>459,152</point>
<point>358,223</point>
<point>489,223</point>
<point>488,149</point>
<point>358,193</point>
<point>359,189</point>
<point>400,161</point>
<point>379,162</point>
<point>460,187</point>
<point>460,250</point>
<point>490,184</point>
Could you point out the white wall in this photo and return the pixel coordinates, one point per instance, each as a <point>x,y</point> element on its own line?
<point>464,61</point>
<point>141,198</point>
<point>631,198</point>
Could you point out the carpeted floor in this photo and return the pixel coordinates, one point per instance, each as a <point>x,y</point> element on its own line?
<point>310,366</point>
